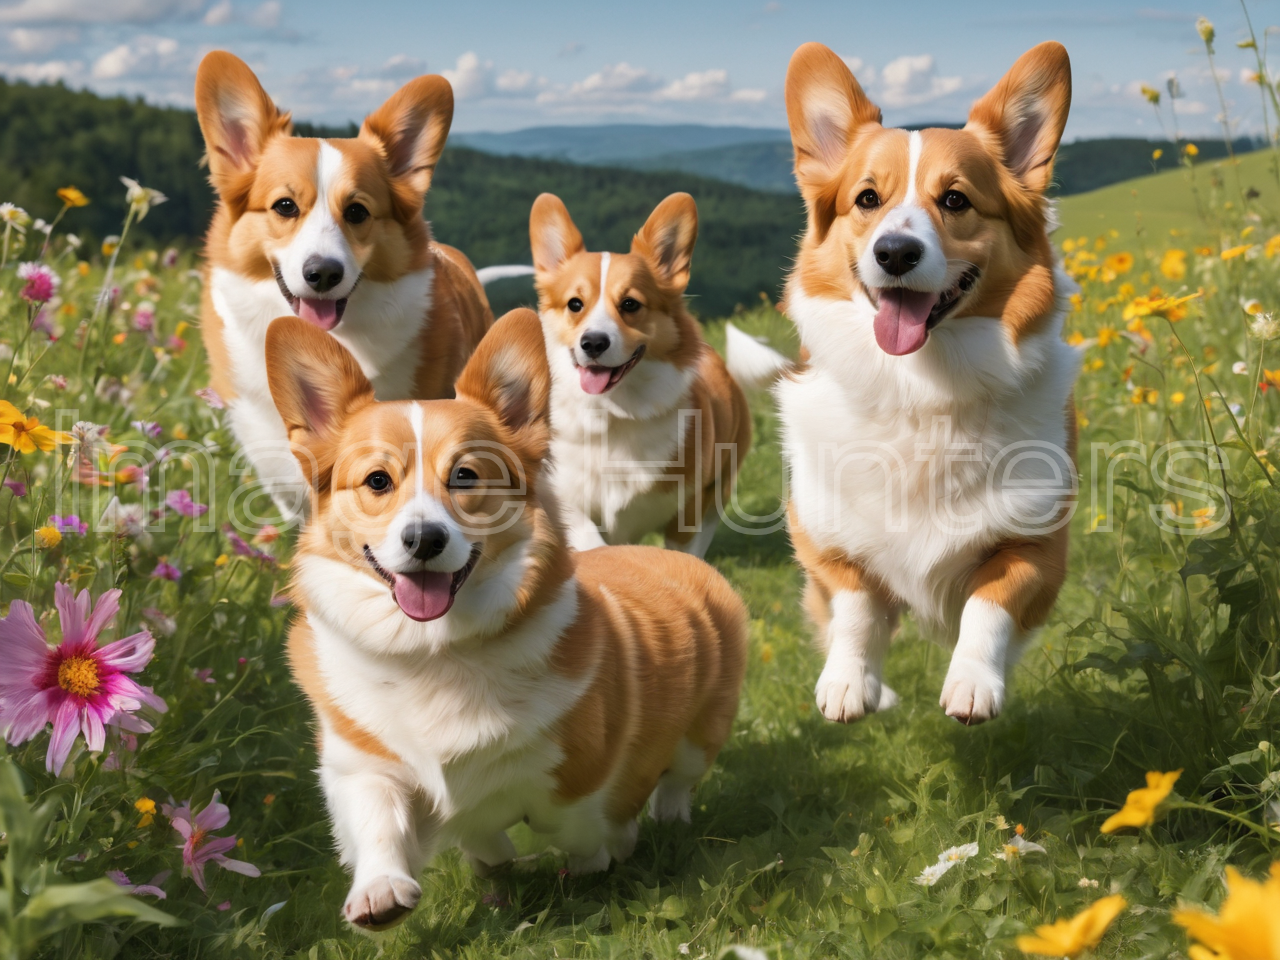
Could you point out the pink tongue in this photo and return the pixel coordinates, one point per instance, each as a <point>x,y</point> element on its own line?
<point>424,596</point>
<point>901,320</point>
<point>594,379</point>
<point>323,313</point>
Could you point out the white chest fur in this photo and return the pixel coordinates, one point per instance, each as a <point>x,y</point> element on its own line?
<point>917,466</point>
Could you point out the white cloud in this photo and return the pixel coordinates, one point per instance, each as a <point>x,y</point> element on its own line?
<point>95,11</point>
<point>625,88</point>
<point>143,55</point>
<point>707,85</point>
<point>912,80</point>
<point>37,40</point>
<point>470,77</point>
<point>219,14</point>
<point>515,81</point>
<point>50,71</point>
<point>748,95</point>
<point>862,71</point>
<point>267,15</point>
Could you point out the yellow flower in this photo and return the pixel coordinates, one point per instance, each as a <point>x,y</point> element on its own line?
<point>48,537</point>
<point>1119,262</point>
<point>1068,245</point>
<point>1232,252</point>
<point>1177,396</point>
<point>1205,28</point>
<point>1191,150</point>
<point>147,807</point>
<point>72,197</point>
<point>1247,926</point>
<point>1066,938</point>
<point>82,268</point>
<point>766,653</point>
<point>1157,153</point>
<point>1075,338</point>
<point>1174,264</point>
<point>1107,336</point>
<point>1139,808</point>
<point>1171,308</point>
<point>1151,93</point>
<point>26,434</point>
<point>1272,246</point>
<point>110,245</point>
<point>120,338</point>
<point>222,560</point>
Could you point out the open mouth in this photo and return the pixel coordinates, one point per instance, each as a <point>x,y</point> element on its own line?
<point>905,317</point>
<point>597,380</point>
<point>424,594</point>
<point>324,312</point>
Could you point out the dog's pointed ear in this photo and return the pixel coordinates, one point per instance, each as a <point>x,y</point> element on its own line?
<point>552,233</point>
<point>410,131</point>
<point>510,375</point>
<point>237,119</point>
<point>666,240</point>
<point>1022,117</point>
<point>825,109</point>
<point>316,385</point>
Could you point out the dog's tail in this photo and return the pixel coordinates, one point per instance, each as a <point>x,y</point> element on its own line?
<point>487,275</point>
<point>751,361</point>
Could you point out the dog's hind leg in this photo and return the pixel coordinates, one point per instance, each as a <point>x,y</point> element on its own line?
<point>487,854</point>
<point>672,799</point>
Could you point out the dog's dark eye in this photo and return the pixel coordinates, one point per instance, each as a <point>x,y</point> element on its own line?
<point>286,208</point>
<point>355,213</point>
<point>955,200</point>
<point>630,305</point>
<point>463,478</point>
<point>575,305</point>
<point>868,200</point>
<point>379,481</point>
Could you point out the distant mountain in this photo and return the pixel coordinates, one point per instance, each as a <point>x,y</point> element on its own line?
<point>616,143</point>
<point>761,166</point>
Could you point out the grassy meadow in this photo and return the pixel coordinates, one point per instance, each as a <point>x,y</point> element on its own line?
<point>808,839</point>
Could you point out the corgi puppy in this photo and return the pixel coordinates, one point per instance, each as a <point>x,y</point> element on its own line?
<point>332,231</point>
<point>931,433</point>
<point>648,428</point>
<point>467,669</point>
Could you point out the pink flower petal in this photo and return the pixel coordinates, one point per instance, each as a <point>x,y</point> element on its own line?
<point>215,816</point>
<point>26,717</point>
<point>130,654</point>
<point>22,646</point>
<point>95,732</point>
<point>214,847</point>
<point>66,724</point>
<point>239,866</point>
<point>197,874</point>
<point>182,826</point>
<point>73,611</point>
<point>104,610</point>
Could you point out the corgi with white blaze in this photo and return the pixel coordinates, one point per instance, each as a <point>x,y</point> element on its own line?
<point>930,432</point>
<point>331,231</point>
<point>648,427</point>
<point>467,669</point>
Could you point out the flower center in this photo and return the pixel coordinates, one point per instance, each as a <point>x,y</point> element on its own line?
<point>198,837</point>
<point>78,676</point>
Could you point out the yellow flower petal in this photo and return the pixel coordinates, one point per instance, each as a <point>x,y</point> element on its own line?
<point>1066,938</point>
<point>1139,808</point>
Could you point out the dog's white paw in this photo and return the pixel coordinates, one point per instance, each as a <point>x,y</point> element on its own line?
<point>382,902</point>
<point>888,698</point>
<point>973,691</point>
<point>849,691</point>
<point>598,862</point>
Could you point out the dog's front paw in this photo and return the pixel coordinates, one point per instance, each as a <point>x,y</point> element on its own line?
<point>973,692</point>
<point>382,902</point>
<point>849,691</point>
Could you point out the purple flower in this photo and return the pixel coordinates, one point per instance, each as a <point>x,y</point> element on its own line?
<point>59,381</point>
<point>144,318</point>
<point>149,889</point>
<point>16,487</point>
<point>120,757</point>
<point>179,501</point>
<point>169,258</point>
<point>78,685</point>
<point>205,675</point>
<point>166,571</point>
<point>41,282</point>
<point>200,846</point>
<point>69,524</point>
<point>239,545</point>
<point>147,427</point>
<point>42,322</point>
<point>210,396</point>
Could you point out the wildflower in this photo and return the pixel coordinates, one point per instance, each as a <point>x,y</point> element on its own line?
<point>1018,847</point>
<point>147,427</point>
<point>166,571</point>
<point>16,487</point>
<point>160,621</point>
<point>932,874</point>
<point>1177,396</point>
<point>1206,31</point>
<point>1266,326</point>
<point>222,560</point>
<point>1066,938</point>
<point>1139,808</point>
<point>41,282</point>
<point>179,501</point>
<point>1119,262</point>
<point>14,217</point>
<point>766,653</point>
<point>205,675</point>
<point>1173,264</point>
<point>1240,368</point>
<point>1107,336</point>
<point>1232,252</point>
<point>170,258</point>
<point>69,524</point>
<point>199,846</point>
<point>110,245</point>
<point>25,434</point>
<point>127,520</point>
<point>1191,150</point>
<point>1247,926</point>
<point>211,397</point>
<point>1152,95</point>
<point>141,199</point>
<point>78,685</point>
<point>88,443</point>
<point>144,318</point>
<point>239,545</point>
<point>1084,883</point>
<point>1171,308</point>
<point>1157,153</point>
<point>269,533</point>
<point>72,197</point>
<point>147,807</point>
<point>48,537</point>
<point>151,888</point>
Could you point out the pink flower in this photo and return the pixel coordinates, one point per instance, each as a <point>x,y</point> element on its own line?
<point>211,397</point>
<point>69,524</point>
<point>147,427</point>
<point>166,571</point>
<point>144,318</point>
<point>150,889</point>
<point>59,381</point>
<point>239,545</point>
<point>180,501</point>
<point>41,282</point>
<point>77,685</point>
<point>169,258</point>
<point>16,487</point>
<point>199,845</point>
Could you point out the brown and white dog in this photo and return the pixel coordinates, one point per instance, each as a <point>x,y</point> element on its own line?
<point>931,435</point>
<point>467,669</point>
<point>332,231</point>
<point>648,427</point>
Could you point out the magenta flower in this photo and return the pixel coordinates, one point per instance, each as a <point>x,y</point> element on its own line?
<point>245,549</point>
<point>77,685</point>
<point>199,846</point>
<point>166,571</point>
<point>180,501</point>
<point>149,889</point>
<point>144,318</point>
<point>169,258</point>
<point>69,524</point>
<point>59,381</point>
<point>16,487</point>
<point>212,398</point>
<point>147,427</point>
<point>41,282</point>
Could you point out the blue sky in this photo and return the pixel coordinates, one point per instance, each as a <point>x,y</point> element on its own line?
<point>518,64</point>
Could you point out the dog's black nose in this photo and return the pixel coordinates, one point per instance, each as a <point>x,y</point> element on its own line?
<point>322,273</point>
<point>594,343</point>
<point>425,541</point>
<point>898,253</point>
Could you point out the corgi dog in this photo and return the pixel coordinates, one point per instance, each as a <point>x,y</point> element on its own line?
<point>648,427</point>
<point>467,669</point>
<point>331,231</point>
<point>930,431</point>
